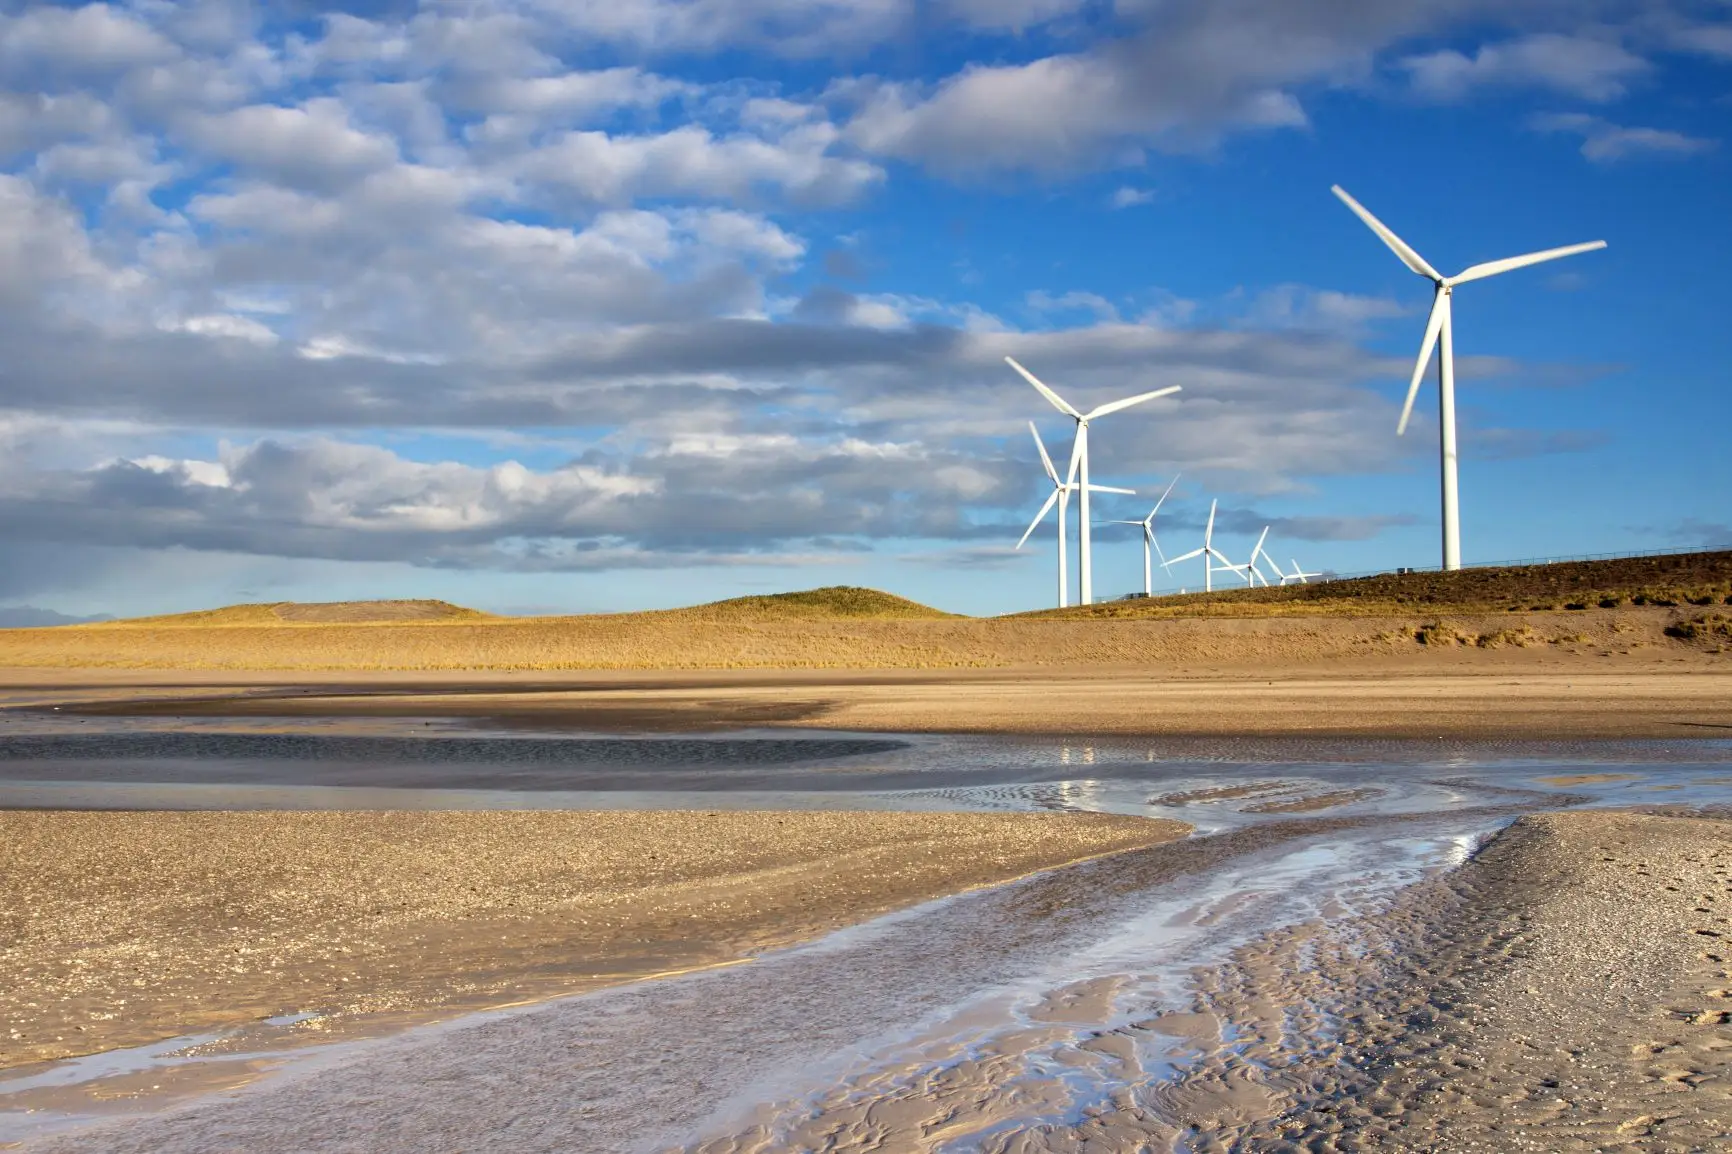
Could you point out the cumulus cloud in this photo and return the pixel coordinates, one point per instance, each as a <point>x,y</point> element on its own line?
<point>308,147</point>
<point>692,162</point>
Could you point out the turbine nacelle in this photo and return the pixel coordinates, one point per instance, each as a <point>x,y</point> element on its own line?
<point>1439,319</point>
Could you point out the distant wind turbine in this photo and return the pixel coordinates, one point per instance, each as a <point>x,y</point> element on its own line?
<point>1439,327</point>
<point>1209,554</point>
<point>1148,524</point>
<point>1060,495</point>
<point>1252,573</point>
<point>1298,575</point>
<point>1079,457</point>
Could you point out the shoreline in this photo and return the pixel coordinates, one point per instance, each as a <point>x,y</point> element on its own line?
<point>133,927</point>
<point>1484,699</point>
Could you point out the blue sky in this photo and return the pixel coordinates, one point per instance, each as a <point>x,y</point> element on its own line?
<point>552,305</point>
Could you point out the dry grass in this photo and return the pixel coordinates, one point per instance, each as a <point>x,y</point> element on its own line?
<point>310,613</point>
<point>1573,586</point>
<point>829,602</point>
<point>849,628</point>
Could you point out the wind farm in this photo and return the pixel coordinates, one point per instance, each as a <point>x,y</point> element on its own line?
<point>529,621</point>
<point>1437,343</point>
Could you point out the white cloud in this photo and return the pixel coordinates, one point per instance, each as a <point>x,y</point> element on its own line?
<point>690,161</point>
<point>1128,197</point>
<point>79,42</point>
<point>1605,142</point>
<point>1304,307</point>
<point>311,147</point>
<point>570,95</point>
<point>226,326</point>
<point>1093,304</point>
<point>209,474</point>
<point>1588,67</point>
<point>1011,15</point>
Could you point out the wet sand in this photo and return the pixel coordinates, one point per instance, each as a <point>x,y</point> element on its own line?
<point>126,927</point>
<point>1565,990</point>
<point>1477,696</point>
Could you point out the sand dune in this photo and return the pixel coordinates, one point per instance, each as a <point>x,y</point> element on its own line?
<point>1646,606</point>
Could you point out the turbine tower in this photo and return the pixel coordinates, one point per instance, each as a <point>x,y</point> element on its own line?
<point>1061,491</point>
<point>1148,524</point>
<point>1440,332</point>
<point>1079,457</point>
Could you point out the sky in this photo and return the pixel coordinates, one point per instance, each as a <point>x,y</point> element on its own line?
<point>576,306</point>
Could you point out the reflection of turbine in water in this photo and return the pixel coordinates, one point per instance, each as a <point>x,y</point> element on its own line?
<point>1083,794</point>
<point>1083,756</point>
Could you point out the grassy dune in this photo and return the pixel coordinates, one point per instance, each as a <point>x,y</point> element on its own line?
<point>1661,604</point>
<point>1679,579</point>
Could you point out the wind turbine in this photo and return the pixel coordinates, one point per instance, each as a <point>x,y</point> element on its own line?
<point>1298,575</point>
<point>1209,554</point>
<point>1061,491</point>
<point>1440,332</point>
<point>1148,524</point>
<point>1257,551</point>
<point>1080,456</point>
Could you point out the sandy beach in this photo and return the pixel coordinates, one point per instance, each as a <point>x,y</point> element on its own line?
<point>1477,696</point>
<point>126,927</point>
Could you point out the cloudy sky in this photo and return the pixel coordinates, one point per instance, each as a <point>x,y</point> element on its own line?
<point>568,305</point>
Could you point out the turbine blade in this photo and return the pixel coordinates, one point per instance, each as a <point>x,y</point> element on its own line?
<point>1045,460</point>
<point>1094,488</point>
<point>1396,245</point>
<point>1259,547</point>
<point>1075,459</point>
<point>1058,402</point>
<point>1186,557</point>
<point>1153,541</point>
<point>1164,497</point>
<point>1209,533</point>
<point>1038,517</point>
<point>1433,326</point>
<point>1493,267</point>
<point>1115,406</point>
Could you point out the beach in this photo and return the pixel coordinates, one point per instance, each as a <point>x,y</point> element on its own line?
<point>1564,989</point>
<point>122,928</point>
<point>1353,976</point>
<point>1474,696</point>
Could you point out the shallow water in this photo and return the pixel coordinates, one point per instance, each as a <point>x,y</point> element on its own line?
<point>989,1006</point>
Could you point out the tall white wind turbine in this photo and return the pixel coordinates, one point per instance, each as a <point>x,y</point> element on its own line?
<point>1062,488</point>
<point>1210,556</point>
<point>1440,333</point>
<point>1148,524</point>
<point>1080,457</point>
